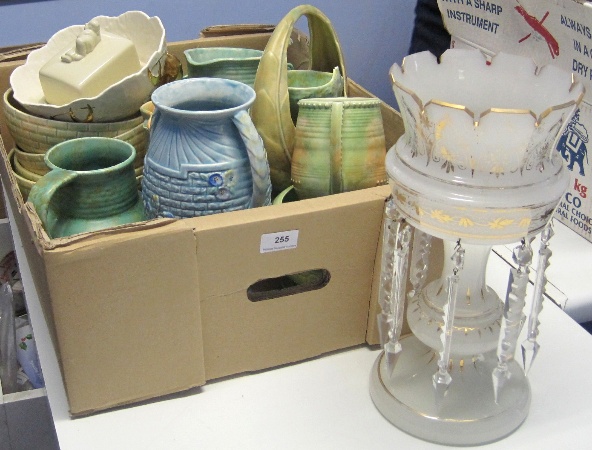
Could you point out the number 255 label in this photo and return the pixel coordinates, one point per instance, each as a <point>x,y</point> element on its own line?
<point>282,240</point>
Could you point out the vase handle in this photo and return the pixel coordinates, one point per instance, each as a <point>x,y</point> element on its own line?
<point>44,189</point>
<point>257,157</point>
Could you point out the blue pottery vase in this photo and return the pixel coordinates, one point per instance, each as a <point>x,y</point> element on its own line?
<point>205,155</point>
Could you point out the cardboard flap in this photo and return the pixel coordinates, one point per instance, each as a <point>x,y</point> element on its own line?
<point>128,316</point>
<point>18,52</point>
<point>235,30</point>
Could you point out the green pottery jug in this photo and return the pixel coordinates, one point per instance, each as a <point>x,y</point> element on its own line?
<point>91,186</point>
<point>339,146</point>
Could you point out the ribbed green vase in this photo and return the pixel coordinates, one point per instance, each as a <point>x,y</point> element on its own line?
<point>339,146</point>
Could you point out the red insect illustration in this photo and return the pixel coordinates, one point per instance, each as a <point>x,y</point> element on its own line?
<point>539,28</point>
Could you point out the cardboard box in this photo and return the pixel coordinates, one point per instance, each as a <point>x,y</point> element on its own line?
<point>555,32</point>
<point>148,309</point>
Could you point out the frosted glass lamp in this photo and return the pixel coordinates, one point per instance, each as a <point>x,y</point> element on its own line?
<point>476,167</point>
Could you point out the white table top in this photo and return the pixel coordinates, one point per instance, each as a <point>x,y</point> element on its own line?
<point>321,403</point>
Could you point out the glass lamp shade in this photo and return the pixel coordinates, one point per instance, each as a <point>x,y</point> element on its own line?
<point>478,135</point>
<point>476,167</point>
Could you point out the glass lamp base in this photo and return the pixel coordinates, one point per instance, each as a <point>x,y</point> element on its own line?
<point>467,415</point>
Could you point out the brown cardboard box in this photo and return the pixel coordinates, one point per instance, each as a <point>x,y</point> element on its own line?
<point>148,309</point>
<point>557,32</point>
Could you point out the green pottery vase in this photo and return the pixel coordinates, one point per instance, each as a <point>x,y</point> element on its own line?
<point>91,186</point>
<point>339,146</point>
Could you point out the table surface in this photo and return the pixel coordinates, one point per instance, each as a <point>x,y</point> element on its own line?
<point>320,403</point>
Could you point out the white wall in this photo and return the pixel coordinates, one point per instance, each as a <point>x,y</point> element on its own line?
<point>374,34</point>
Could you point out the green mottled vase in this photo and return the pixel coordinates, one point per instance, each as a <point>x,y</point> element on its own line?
<point>339,146</point>
<point>91,186</point>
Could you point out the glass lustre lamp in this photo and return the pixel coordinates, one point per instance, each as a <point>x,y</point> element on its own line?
<point>476,167</point>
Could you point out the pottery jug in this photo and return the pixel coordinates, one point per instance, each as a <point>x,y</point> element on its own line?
<point>91,186</point>
<point>339,146</point>
<point>205,156</point>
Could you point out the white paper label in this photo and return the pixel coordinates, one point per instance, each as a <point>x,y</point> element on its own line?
<point>282,240</point>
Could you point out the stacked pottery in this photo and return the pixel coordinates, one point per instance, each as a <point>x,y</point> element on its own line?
<point>87,81</point>
<point>34,135</point>
<point>218,141</point>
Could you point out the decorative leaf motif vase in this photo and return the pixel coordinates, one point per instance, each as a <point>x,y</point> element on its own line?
<point>205,156</point>
<point>92,186</point>
<point>271,110</point>
<point>339,146</point>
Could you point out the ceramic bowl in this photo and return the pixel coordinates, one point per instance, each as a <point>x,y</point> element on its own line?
<point>22,171</point>
<point>32,162</point>
<point>120,100</point>
<point>33,134</point>
<point>23,183</point>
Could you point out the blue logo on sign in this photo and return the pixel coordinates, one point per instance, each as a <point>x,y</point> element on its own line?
<point>572,144</point>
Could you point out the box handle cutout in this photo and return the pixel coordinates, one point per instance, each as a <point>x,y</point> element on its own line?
<point>295,283</point>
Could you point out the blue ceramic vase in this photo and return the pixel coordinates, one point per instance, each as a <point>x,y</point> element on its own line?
<point>205,155</point>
